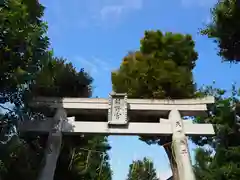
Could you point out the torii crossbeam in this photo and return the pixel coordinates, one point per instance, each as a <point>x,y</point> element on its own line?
<point>121,116</point>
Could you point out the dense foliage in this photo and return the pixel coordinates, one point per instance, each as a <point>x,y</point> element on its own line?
<point>23,46</point>
<point>142,170</point>
<point>225,29</point>
<point>220,159</point>
<point>84,158</point>
<point>59,78</point>
<point>21,158</point>
<point>162,68</point>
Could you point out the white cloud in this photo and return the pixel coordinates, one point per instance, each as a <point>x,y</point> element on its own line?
<point>110,11</point>
<point>93,66</point>
<point>89,66</point>
<point>117,8</point>
<point>88,12</point>
<point>198,3</point>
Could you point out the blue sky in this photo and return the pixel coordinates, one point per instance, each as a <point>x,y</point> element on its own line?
<point>97,34</point>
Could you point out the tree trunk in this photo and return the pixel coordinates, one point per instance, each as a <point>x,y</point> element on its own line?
<point>172,161</point>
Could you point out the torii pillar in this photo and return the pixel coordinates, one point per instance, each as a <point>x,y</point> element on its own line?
<point>180,147</point>
<point>53,148</point>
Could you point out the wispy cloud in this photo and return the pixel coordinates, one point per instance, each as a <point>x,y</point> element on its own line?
<point>90,12</point>
<point>94,66</point>
<point>198,3</point>
<point>112,10</point>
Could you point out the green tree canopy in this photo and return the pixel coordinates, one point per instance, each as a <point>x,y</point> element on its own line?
<point>162,68</point>
<point>23,50</point>
<point>142,170</point>
<point>225,29</point>
<point>60,79</point>
<point>23,45</point>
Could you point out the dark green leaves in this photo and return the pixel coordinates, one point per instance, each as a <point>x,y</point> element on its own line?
<point>223,161</point>
<point>225,29</point>
<point>58,78</point>
<point>23,44</point>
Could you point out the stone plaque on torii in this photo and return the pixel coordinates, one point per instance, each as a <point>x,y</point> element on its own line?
<point>119,115</point>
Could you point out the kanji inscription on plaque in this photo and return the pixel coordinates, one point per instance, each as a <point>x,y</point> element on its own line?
<point>117,113</point>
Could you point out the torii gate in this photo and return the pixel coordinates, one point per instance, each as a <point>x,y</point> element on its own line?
<point>121,116</point>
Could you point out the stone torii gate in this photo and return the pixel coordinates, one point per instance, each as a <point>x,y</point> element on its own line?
<point>119,115</point>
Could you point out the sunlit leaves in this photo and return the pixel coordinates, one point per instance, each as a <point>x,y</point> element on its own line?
<point>162,68</point>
